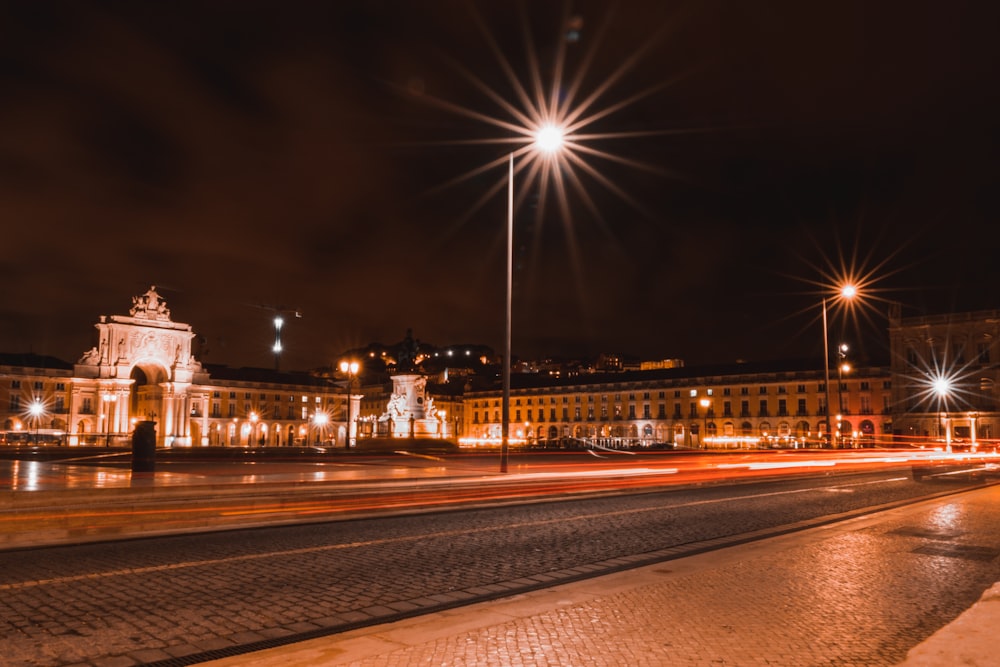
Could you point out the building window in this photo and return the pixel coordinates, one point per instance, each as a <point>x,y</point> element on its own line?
<point>744,391</point>
<point>60,404</point>
<point>15,384</point>
<point>60,386</point>
<point>744,408</point>
<point>983,353</point>
<point>802,406</point>
<point>576,413</point>
<point>782,408</point>
<point>763,408</point>
<point>88,407</point>
<point>646,414</point>
<point>216,409</point>
<point>15,403</point>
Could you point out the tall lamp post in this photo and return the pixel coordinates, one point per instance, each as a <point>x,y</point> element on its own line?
<point>252,439</point>
<point>279,321</point>
<point>942,387</point>
<point>351,369</point>
<point>705,403</point>
<point>842,367</point>
<point>320,420</point>
<point>846,293</point>
<point>36,409</point>
<point>548,140</point>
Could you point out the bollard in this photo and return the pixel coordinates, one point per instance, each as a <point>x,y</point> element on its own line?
<point>144,447</point>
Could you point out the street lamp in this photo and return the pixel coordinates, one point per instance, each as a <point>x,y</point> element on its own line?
<point>351,369</point>
<point>36,409</point>
<point>320,420</point>
<point>846,293</point>
<point>942,387</point>
<point>842,367</point>
<point>279,321</point>
<point>548,141</point>
<point>704,403</point>
<point>253,429</point>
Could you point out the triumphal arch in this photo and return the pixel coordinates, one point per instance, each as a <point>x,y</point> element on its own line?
<point>142,368</point>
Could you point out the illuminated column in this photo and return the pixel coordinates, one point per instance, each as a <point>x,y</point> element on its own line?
<point>169,413</point>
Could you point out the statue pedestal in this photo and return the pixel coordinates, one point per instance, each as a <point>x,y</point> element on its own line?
<point>410,413</point>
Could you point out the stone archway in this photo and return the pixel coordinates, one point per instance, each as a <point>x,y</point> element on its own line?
<point>141,368</point>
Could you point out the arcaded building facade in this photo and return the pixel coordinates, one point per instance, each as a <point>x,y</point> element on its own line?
<point>782,405</point>
<point>142,368</point>
<point>945,373</point>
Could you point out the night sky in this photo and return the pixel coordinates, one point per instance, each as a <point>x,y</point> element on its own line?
<point>310,156</point>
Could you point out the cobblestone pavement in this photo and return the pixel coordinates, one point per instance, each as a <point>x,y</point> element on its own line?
<point>858,593</point>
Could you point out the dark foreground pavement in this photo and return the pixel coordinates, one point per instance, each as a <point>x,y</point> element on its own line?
<point>817,597</point>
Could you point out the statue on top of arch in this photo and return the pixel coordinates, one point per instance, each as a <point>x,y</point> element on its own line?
<point>150,306</point>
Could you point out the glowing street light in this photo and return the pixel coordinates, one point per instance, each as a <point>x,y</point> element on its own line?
<point>842,367</point>
<point>36,409</point>
<point>351,369</point>
<point>320,420</point>
<point>548,141</point>
<point>846,293</point>
<point>253,429</point>
<point>705,403</point>
<point>942,387</point>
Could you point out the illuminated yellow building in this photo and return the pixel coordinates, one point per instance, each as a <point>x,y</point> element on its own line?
<point>945,375</point>
<point>775,404</point>
<point>142,368</point>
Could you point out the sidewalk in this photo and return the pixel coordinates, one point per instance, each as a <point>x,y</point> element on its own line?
<point>832,601</point>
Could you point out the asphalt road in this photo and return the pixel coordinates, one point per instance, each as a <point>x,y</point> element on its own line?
<point>186,599</point>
